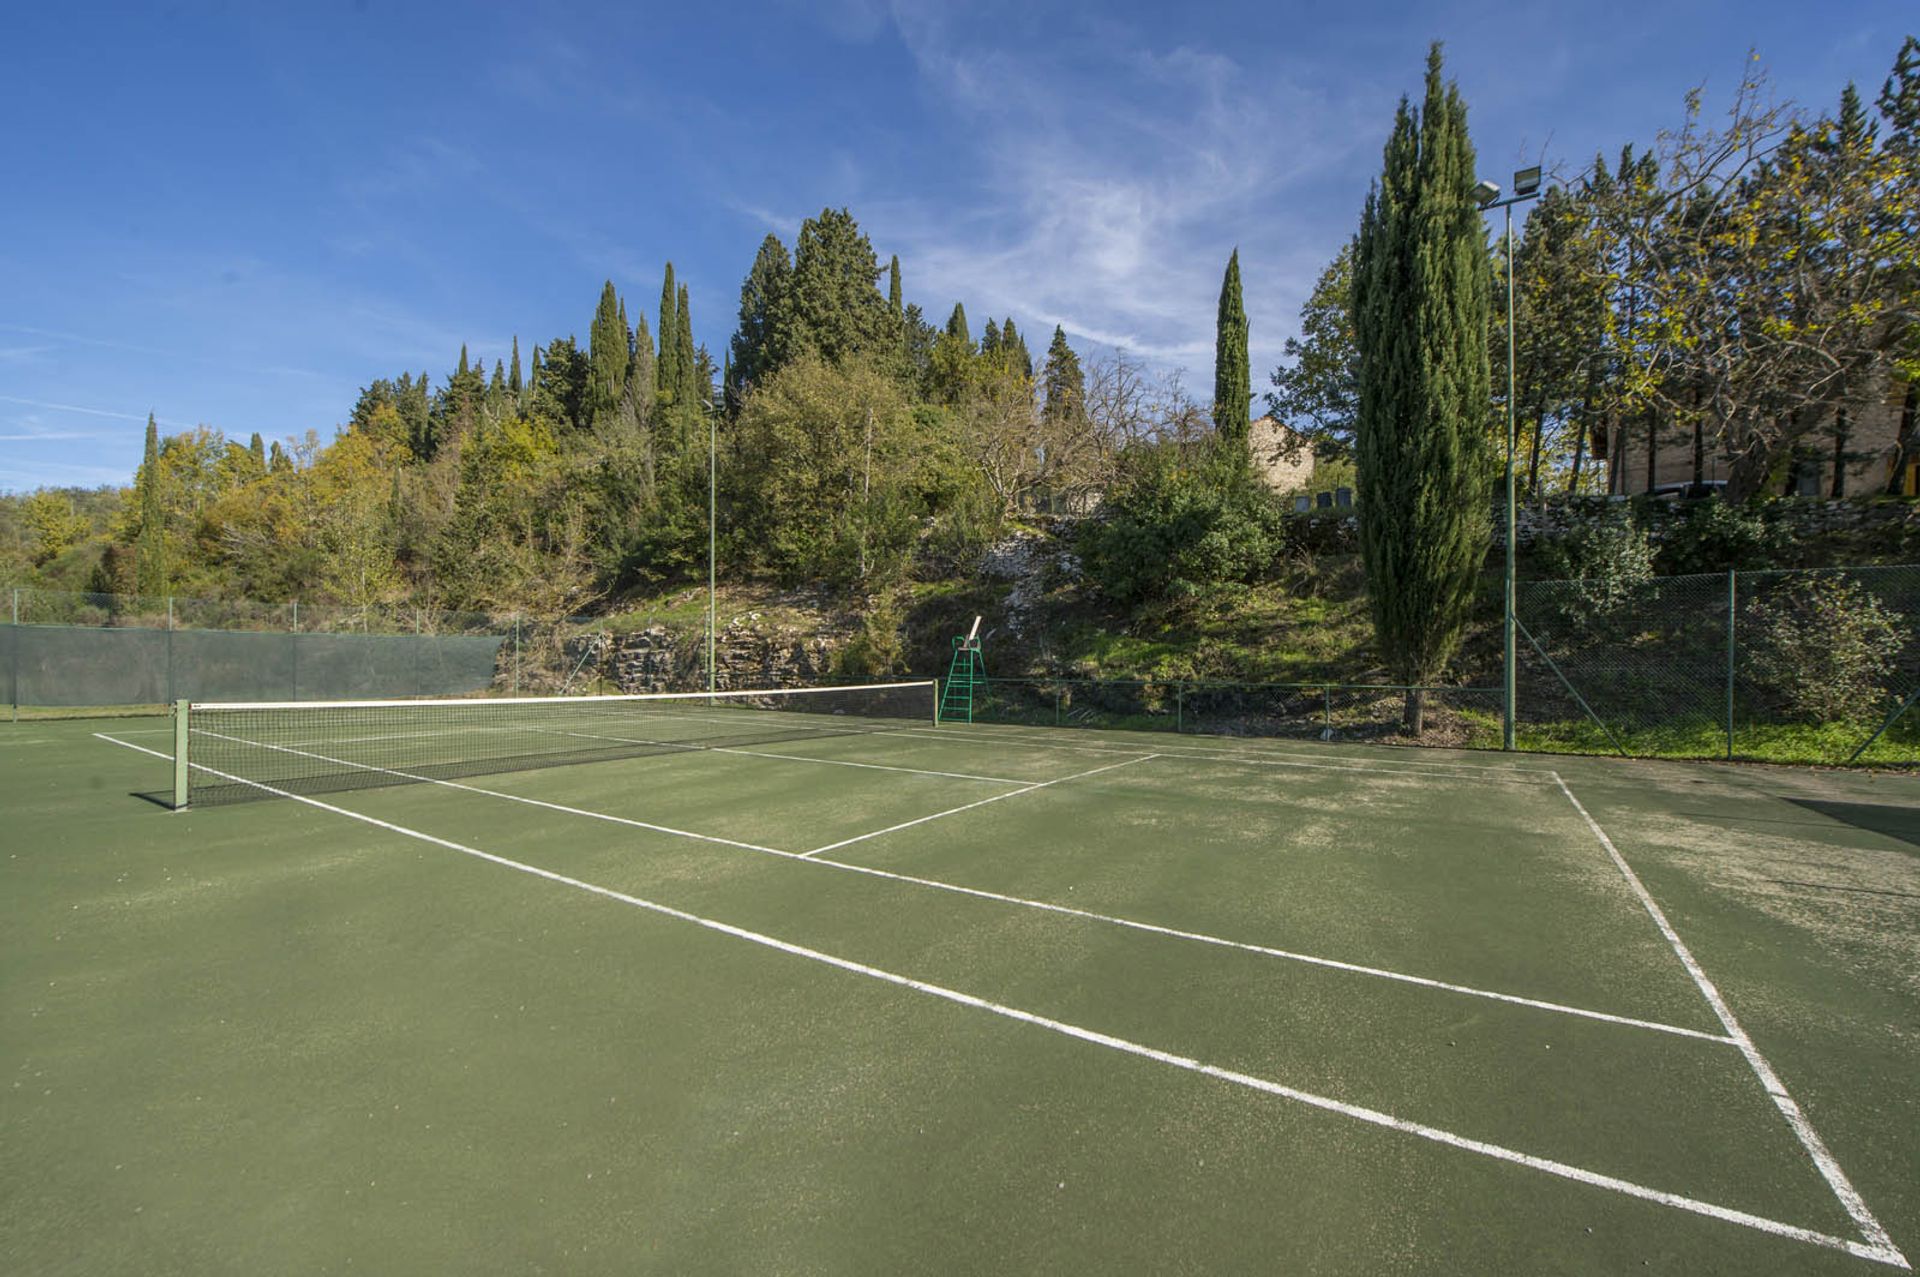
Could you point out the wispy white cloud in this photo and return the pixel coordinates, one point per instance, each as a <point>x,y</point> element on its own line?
<point>1108,202</point>
<point>89,412</point>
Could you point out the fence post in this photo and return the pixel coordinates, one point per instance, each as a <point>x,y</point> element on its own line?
<point>516,654</point>
<point>13,664</point>
<point>1326,721</point>
<point>1179,707</point>
<point>1056,704</point>
<point>1733,585</point>
<point>171,681</point>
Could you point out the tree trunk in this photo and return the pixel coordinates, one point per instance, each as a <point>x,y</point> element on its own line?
<point>1842,427</point>
<point>1700,448</point>
<point>1617,464</point>
<point>1415,719</point>
<point>1579,454</point>
<point>1533,458</point>
<point>1905,442</point>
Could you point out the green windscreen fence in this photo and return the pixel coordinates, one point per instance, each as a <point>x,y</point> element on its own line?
<point>49,665</point>
<point>79,650</point>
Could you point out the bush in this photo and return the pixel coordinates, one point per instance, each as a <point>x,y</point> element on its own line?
<point>1717,537</point>
<point>1823,649</point>
<point>1609,562</point>
<point>1178,524</point>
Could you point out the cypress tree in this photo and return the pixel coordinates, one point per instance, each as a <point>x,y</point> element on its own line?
<point>687,387</point>
<point>957,325</point>
<point>666,368</point>
<point>1423,455</point>
<point>609,352</point>
<point>513,370</point>
<point>894,299</point>
<point>1066,384</point>
<point>1018,356</point>
<point>150,571</point>
<point>1232,388</point>
<point>259,451</point>
<point>642,373</point>
<point>463,369</point>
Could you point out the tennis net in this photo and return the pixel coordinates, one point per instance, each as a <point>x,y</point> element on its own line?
<point>229,752</point>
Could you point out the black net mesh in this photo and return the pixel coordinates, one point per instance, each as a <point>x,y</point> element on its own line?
<point>245,751</point>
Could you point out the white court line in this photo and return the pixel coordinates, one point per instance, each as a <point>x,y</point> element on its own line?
<point>1373,1117</point>
<point>1232,759</point>
<point>1226,745</point>
<point>435,780</point>
<point>936,884</point>
<point>954,811</point>
<point>1856,1207</point>
<point>798,758</point>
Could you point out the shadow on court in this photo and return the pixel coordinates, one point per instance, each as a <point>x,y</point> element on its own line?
<point>1895,822</point>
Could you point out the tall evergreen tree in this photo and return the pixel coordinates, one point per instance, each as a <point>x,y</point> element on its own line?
<point>151,571</point>
<point>513,370</point>
<point>667,368</point>
<point>259,452</point>
<point>990,338</point>
<point>835,304</point>
<point>609,352</point>
<point>687,388</point>
<point>642,373</point>
<point>894,299</point>
<point>759,344</point>
<point>1015,345</point>
<point>1232,386</point>
<point>957,325</point>
<point>1065,384</point>
<point>1424,461</point>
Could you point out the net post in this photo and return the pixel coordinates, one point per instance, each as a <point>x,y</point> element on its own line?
<point>936,702</point>
<point>180,767</point>
<point>13,663</point>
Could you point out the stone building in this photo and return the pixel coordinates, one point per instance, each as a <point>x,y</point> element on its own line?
<point>1867,459</point>
<point>1280,456</point>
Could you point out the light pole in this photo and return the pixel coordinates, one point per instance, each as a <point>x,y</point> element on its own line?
<point>1526,186</point>
<point>713,489</point>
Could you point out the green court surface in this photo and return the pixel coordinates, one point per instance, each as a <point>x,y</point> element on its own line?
<point>961,998</point>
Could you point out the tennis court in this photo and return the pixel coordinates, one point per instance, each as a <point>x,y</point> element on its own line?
<point>677,985</point>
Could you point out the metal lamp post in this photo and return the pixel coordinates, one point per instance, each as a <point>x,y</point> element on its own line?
<point>1526,186</point>
<point>713,488</point>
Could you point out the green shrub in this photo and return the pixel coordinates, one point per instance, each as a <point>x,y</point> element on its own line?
<point>1823,649</point>
<point>1717,537</point>
<point>1178,524</point>
<point>1608,562</point>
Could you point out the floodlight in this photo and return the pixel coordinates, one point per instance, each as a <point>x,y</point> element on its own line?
<point>1486,192</point>
<point>1526,181</point>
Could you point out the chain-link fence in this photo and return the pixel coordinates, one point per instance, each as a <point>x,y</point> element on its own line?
<point>1806,666</point>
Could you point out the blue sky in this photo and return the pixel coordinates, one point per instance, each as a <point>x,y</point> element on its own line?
<point>237,214</point>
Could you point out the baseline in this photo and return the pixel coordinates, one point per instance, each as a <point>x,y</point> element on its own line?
<point>1879,1242</point>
